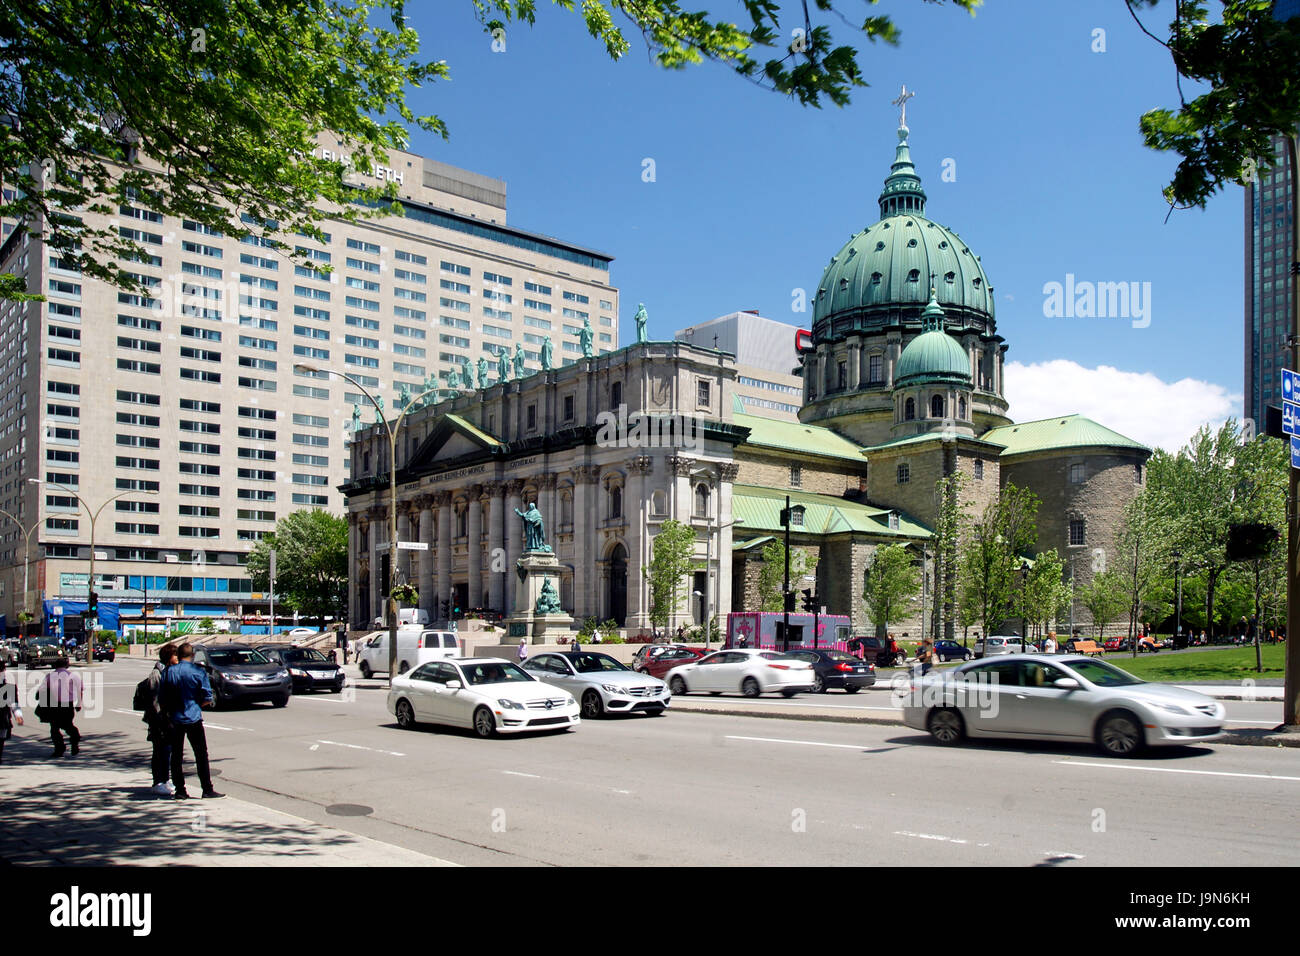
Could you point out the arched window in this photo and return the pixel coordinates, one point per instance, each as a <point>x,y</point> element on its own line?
<point>961,408</point>
<point>566,510</point>
<point>909,409</point>
<point>936,406</point>
<point>462,515</point>
<point>657,503</point>
<point>701,500</point>
<point>616,501</point>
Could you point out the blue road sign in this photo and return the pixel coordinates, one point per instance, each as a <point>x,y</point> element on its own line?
<point>1290,386</point>
<point>1290,418</point>
<point>1295,452</point>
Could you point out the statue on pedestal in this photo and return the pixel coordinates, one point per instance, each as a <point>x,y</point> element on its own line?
<point>534,529</point>
<point>548,354</point>
<point>503,366</point>
<point>548,602</point>
<point>482,370</point>
<point>641,320</point>
<point>453,379</point>
<point>379,410</point>
<point>519,360</point>
<point>586,338</point>
<point>404,395</point>
<point>356,417</point>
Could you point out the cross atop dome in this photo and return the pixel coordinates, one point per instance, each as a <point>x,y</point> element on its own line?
<point>901,103</point>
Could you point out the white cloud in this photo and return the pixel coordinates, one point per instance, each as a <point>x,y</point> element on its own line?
<point>1138,405</point>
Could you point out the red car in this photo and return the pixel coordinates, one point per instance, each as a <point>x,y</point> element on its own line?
<point>1114,643</point>
<point>660,659</point>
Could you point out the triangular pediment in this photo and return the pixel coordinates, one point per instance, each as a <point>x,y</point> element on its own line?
<point>451,439</point>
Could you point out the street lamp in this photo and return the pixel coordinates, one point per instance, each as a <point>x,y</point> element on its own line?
<point>94,516</point>
<point>392,431</point>
<point>1178,600</point>
<point>27,558</point>
<point>1024,612</point>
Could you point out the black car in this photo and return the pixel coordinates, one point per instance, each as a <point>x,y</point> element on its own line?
<point>836,669</point>
<point>239,673</point>
<point>308,668</point>
<point>105,651</point>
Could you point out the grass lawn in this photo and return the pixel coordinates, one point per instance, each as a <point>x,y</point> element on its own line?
<point>1232,664</point>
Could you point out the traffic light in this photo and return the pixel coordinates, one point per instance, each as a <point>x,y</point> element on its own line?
<point>444,606</point>
<point>789,601</point>
<point>809,601</point>
<point>92,605</point>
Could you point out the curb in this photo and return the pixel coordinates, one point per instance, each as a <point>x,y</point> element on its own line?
<point>1238,738</point>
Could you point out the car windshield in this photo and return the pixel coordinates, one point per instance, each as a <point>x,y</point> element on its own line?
<point>593,663</point>
<point>1103,674</point>
<point>304,655</point>
<point>501,672</point>
<point>236,656</point>
<point>838,656</point>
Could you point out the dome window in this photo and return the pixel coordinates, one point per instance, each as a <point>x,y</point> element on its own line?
<point>844,283</point>
<point>975,282</point>
<point>936,406</point>
<point>910,223</point>
<point>879,246</point>
<point>943,244</point>
<point>950,277</point>
<point>911,243</point>
<point>875,278</point>
<point>909,409</point>
<point>914,275</point>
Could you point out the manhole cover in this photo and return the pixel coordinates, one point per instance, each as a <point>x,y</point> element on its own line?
<point>349,810</point>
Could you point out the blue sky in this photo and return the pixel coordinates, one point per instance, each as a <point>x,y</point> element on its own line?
<point>754,193</point>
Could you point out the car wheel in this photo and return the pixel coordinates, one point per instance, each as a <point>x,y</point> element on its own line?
<point>403,667</point>
<point>946,726</point>
<point>819,684</point>
<point>851,689</point>
<point>1119,734</point>
<point>750,688</point>
<point>405,714</point>
<point>592,706</point>
<point>789,692</point>
<point>678,686</point>
<point>280,701</point>
<point>484,723</point>
<point>968,656</point>
<point>365,670</point>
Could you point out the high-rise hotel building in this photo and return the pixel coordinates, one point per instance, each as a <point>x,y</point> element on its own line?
<point>191,391</point>
<point>1268,308</point>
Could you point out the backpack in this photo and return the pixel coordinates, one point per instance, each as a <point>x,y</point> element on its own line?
<point>146,696</point>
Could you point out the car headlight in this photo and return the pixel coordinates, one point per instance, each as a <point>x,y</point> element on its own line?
<point>510,704</point>
<point>281,674</point>
<point>297,673</point>
<point>611,688</point>
<point>1173,708</point>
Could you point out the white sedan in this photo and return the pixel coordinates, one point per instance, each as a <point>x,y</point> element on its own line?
<point>487,694</point>
<point>747,670</point>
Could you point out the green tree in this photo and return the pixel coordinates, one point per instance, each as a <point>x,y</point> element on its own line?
<point>1104,597</point>
<point>1142,552</point>
<point>311,575</point>
<point>1045,593</point>
<point>892,583</point>
<point>950,526</point>
<point>990,562</point>
<point>671,559</point>
<point>771,575</point>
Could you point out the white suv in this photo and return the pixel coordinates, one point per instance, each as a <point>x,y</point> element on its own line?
<point>997,646</point>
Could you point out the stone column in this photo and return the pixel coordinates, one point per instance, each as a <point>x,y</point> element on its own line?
<point>424,559</point>
<point>584,562</point>
<point>442,501</point>
<point>855,363</point>
<point>497,580</point>
<point>636,504</point>
<point>354,568</point>
<point>403,534</point>
<point>378,597</point>
<point>681,507</point>
<point>727,472</point>
<point>514,537</point>
<point>474,528</point>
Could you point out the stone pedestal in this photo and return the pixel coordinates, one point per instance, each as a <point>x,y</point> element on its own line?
<point>533,569</point>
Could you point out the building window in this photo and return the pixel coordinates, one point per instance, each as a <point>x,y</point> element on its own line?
<point>657,505</point>
<point>904,474</point>
<point>842,371</point>
<point>702,393</point>
<point>876,369</point>
<point>796,476</point>
<point>532,416</point>
<point>701,500</point>
<point>961,408</point>
<point>462,519</point>
<point>909,409</point>
<point>566,511</point>
<point>568,408</point>
<point>1076,474</point>
<point>1076,531</point>
<point>616,394</point>
<point>1137,474</point>
<point>979,469</point>
<point>616,502</point>
<point>936,406</point>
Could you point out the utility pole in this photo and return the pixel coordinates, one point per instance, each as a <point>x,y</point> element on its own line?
<point>1291,692</point>
<point>271,575</point>
<point>785,588</point>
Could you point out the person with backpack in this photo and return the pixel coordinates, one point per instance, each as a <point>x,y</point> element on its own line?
<point>183,691</point>
<point>147,700</point>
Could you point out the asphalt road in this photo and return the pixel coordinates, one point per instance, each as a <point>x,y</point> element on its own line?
<point>711,789</point>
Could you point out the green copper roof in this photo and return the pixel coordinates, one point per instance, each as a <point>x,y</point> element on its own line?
<point>902,192</point>
<point>934,355</point>
<point>464,426</point>
<point>1066,431</point>
<point>798,437</point>
<point>759,509</point>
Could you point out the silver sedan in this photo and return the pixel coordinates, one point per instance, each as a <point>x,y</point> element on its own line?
<point>1068,698</point>
<point>600,683</point>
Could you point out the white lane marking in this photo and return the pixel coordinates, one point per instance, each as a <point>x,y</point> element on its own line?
<point>516,773</point>
<point>1203,773</point>
<point>318,700</point>
<point>335,743</point>
<point>314,747</point>
<point>621,791</point>
<point>207,723</point>
<point>931,836</point>
<point>118,710</point>
<point>806,743</point>
<point>1062,855</point>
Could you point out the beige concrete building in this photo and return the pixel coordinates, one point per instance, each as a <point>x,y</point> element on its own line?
<point>191,390</point>
<point>768,382</point>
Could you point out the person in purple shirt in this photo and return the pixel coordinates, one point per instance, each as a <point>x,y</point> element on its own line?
<point>184,691</point>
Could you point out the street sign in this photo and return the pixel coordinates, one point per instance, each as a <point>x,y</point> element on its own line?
<point>1295,452</point>
<point>1290,418</point>
<point>412,546</point>
<point>1290,386</point>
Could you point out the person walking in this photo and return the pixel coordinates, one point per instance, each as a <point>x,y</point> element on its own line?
<point>10,711</point>
<point>925,655</point>
<point>523,649</point>
<point>577,643</point>
<point>59,697</point>
<point>185,690</point>
<point>155,718</point>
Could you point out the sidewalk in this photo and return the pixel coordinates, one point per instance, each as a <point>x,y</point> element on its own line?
<point>83,812</point>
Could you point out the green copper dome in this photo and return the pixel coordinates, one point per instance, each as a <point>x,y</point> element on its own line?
<point>934,355</point>
<point>894,262</point>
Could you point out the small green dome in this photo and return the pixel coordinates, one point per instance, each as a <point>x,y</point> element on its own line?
<point>934,355</point>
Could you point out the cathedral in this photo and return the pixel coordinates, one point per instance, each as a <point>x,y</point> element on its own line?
<point>903,385</point>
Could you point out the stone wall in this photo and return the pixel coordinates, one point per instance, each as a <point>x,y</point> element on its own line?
<point>817,476</point>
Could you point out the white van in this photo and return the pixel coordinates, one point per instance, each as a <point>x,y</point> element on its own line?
<point>407,616</point>
<point>415,646</point>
